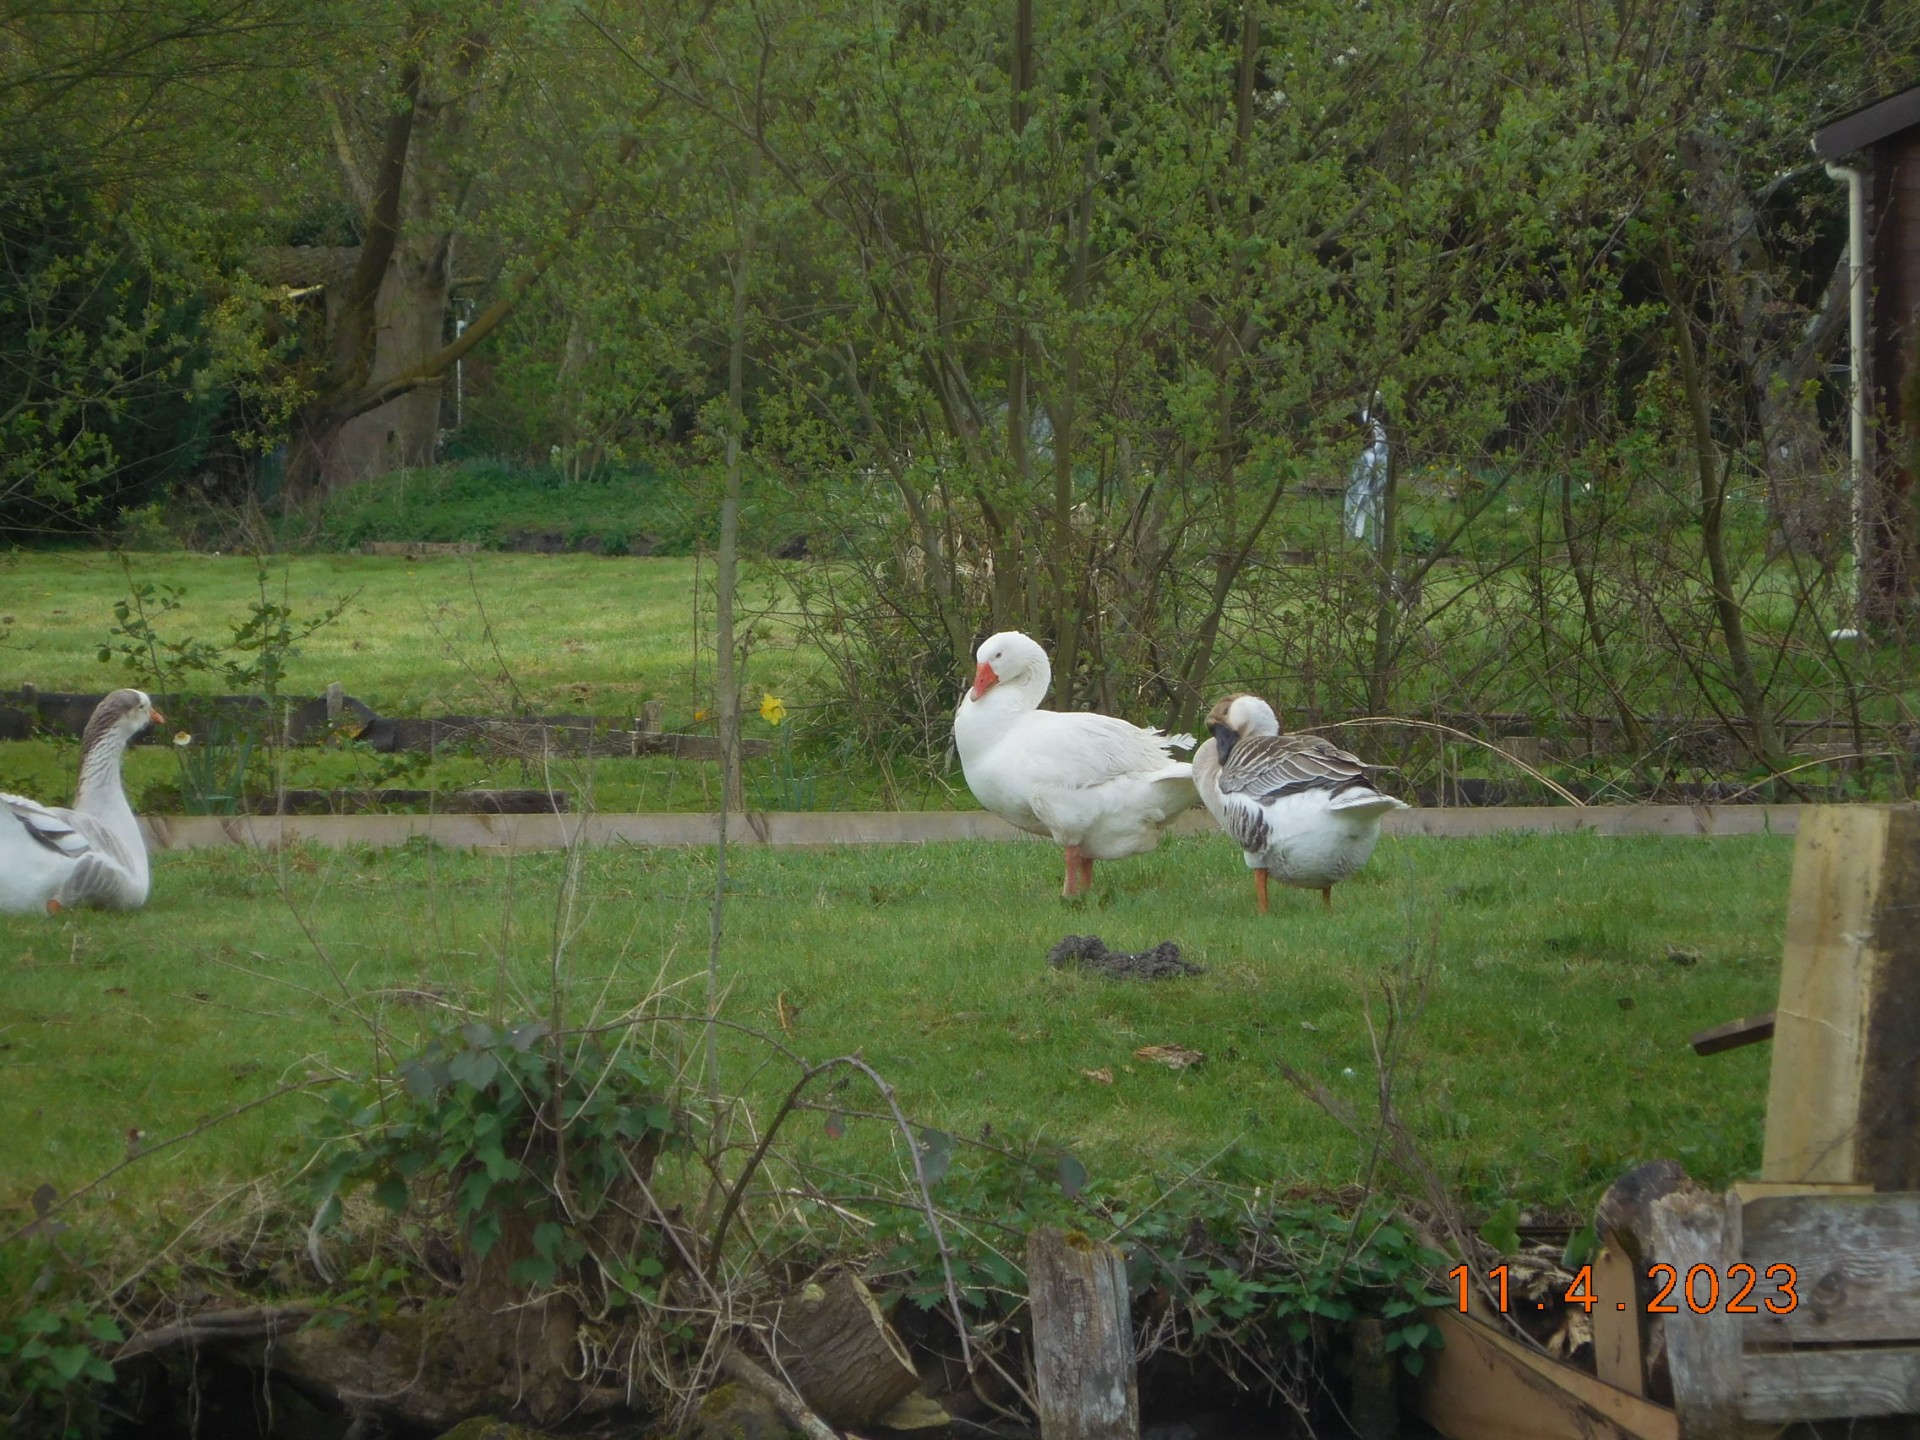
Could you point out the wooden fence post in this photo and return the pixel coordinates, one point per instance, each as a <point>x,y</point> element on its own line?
<point>1695,1232</point>
<point>1082,1338</point>
<point>1844,1098</point>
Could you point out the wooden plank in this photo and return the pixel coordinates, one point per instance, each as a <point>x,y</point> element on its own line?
<point>1619,1338</point>
<point>548,832</point>
<point>1752,1190</point>
<point>1831,1384</point>
<point>1601,819</point>
<point>1843,1100</point>
<point>1084,1385</point>
<point>1703,1348</point>
<point>556,734</point>
<point>480,802</point>
<point>1857,1264</point>
<point>1484,1386</point>
<point>1749,1030</point>
<point>821,827</point>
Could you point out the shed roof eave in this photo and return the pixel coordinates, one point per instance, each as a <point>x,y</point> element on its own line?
<point>1868,125</point>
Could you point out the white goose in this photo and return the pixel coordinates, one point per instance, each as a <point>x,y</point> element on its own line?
<point>1098,786</point>
<point>91,854</point>
<point>1301,808</point>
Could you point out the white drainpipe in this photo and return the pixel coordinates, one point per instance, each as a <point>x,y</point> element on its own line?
<point>1857,374</point>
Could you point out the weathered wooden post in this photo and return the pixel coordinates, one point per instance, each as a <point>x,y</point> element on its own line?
<point>1844,1099</point>
<point>1694,1233</point>
<point>1082,1338</point>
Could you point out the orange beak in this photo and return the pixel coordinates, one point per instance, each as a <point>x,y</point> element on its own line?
<point>155,716</point>
<point>983,680</point>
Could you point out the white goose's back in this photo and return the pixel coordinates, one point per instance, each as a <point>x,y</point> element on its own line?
<point>36,855</point>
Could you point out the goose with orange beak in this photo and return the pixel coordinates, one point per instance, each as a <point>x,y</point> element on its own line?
<point>91,853</point>
<point>1099,787</point>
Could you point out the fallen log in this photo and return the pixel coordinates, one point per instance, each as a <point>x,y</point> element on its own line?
<point>839,1350</point>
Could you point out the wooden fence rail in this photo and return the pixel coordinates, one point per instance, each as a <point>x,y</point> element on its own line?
<point>311,720</point>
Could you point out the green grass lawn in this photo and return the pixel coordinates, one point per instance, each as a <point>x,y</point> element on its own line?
<point>445,635</point>
<point>1550,1055</point>
<point>486,634</point>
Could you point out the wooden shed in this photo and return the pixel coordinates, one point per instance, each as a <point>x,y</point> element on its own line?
<point>1877,150</point>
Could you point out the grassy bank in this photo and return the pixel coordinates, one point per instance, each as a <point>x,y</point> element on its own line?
<point>488,634</point>
<point>1550,1054</point>
<point>447,635</point>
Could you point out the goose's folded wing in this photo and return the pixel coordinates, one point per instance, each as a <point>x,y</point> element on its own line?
<point>99,878</point>
<point>1082,749</point>
<point>1265,767</point>
<point>54,829</point>
<point>1245,819</point>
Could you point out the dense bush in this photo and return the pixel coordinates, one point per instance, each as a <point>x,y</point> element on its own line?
<point>101,341</point>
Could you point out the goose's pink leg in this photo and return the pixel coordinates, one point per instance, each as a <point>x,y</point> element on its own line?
<point>1071,886</point>
<point>1260,889</point>
<point>1086,873</point>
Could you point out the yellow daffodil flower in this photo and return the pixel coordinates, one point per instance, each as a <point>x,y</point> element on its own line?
<point>772,709</point>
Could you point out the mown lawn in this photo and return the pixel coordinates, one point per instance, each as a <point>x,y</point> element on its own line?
<point>1565,973</point>
<point>486,634</point>
<point>465,634</point>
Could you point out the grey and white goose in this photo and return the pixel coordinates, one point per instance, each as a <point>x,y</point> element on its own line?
<point>1301,809</point>
<point>91,853</point>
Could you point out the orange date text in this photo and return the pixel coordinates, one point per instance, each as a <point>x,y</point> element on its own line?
<point>1701,1289</point>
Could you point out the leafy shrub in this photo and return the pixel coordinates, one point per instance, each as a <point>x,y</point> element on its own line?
<point>51,1340</point>
<point>217,743</point>
<point>1254,1273</point>
<point>523,1136</point>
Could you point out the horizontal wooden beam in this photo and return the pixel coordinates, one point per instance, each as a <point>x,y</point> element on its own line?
<point>1483,1385</point>
<point>27,712</point>
<point>1856,1259</point>
<point>1831,1384</point>
<point>1750,1030</point>
<point>871,827</point>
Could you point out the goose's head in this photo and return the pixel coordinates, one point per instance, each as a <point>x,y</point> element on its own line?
<point>1236,717</point>
<point>1010,658</point>
<point>123,714</point>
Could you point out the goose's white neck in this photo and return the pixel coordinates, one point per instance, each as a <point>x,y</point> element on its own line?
<point>100,791</point>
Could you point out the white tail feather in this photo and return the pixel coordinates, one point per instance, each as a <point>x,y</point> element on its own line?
<point>1365,802</point>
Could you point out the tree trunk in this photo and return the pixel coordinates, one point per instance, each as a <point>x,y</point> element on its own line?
<point>409,320</point>
<point>376,401</point>
<point>1713,496</point>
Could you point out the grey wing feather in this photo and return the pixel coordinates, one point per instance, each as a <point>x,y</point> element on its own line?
<point>97,879</point>
<point>1267,766</point>
<point>51,828</point>
<point>1245,820</point>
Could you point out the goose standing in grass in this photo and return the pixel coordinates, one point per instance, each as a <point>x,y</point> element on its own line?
<point>1301,808</point>
<point>92,853</point>
<point>1098,786</point>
